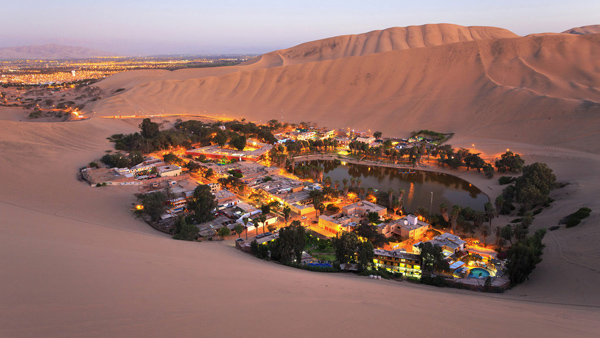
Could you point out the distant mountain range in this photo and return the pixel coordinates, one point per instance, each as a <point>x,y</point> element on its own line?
<point>51,51</point>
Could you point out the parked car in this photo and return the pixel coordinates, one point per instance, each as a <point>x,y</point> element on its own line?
<point>239,240</point>
<point>260,236</point>
<point>268,233</point>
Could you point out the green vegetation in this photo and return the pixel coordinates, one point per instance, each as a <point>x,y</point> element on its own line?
<point>524,256</point>
<point>35,114</point>
<point>154,205</point>
<point>202,204</point>
<point>348,248</point>
<point>432,258</point>
<point>223,232</point>
<point>185,230</point>
<point>503,180</point>
<point>185,133</point>
<point>120,160</point>
<point>510,162</point>
<point>575,218</point>
<point>531,189</point>
<point>287,249</point>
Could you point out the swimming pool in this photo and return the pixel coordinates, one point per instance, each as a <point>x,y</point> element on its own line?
<point>479,272</point>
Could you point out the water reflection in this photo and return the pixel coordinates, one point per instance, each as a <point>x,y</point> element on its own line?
<point>418,185</point>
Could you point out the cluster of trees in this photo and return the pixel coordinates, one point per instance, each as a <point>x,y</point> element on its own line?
<point>387,151</point>
<point>510,162</point>
<point>432,258</point>
<point>185,230</point>
<point>350,249</point>
<point>121,160</point>
<point>287,248</point>
<point>202,204</point>
<point>154,205</point>
<point>513,233</point>
<point>368,230</point>
<point>462,158</point>
<point>185,133</point>
<point>531,189</point>
<point>524,256</point>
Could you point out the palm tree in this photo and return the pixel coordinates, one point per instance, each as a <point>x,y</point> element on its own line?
<point>455,213</point>
<point>263,219</point>
<point>286,213</point>
<point>359,181</point>
<point>345,182</point>
<point>352,182</point>
<point>245,220</point>
<point>390,197</point>
<point>490,211</point>
<point>486,230</point>
<point>479,218</point>
<point>336,184</point>
<point>498,232</point>
<point>401,194</point>
<point>444,212</point>
<point>396,205</point>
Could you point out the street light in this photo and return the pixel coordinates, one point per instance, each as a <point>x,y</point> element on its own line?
<point>431,207</point>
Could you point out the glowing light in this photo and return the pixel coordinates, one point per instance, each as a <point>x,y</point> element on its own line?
<point>139,207</point>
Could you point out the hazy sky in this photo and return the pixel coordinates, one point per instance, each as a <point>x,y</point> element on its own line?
<point>229,26</point>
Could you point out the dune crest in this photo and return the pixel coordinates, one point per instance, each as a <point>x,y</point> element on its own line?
<point>379,41</point>
<point>583,30</point>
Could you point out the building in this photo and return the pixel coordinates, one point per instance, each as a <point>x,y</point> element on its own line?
<point>105,176</point>
<point>337,223</point>
<point>449,243</point>
<point>225,199</point>
<point>169,170</point>
<point>411,227</point>
<point>398,261</point>
<point>363,208</point>
<point>214,187</point>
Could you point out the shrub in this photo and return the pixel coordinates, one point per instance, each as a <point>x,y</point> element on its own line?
<point>573,222</point>
<point>437,281</point>
<point>506,180</point>
<point>575,218</point>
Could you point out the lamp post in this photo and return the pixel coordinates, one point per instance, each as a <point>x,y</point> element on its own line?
<point>431,207</point>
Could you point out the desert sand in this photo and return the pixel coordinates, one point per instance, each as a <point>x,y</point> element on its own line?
<point>75,262</point>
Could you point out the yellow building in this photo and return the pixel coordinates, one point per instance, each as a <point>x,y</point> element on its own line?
<point>398,261</point>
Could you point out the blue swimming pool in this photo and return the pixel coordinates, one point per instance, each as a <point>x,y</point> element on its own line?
<point>479,272</point>
<point>320,265</point>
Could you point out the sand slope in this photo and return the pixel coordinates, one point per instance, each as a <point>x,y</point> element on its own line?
<point>485,86</point>
<point>76,263</point>
<point>395,38</point>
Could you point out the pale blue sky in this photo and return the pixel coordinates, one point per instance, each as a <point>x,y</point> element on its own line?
<point>229,26</point>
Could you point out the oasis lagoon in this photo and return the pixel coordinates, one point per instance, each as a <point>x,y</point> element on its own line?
<point>418,185</point>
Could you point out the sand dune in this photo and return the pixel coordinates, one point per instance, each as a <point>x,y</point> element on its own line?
<point>396,38</point>
<point>76,263</point>
<point>485,87</point>
<point>583,30</point>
